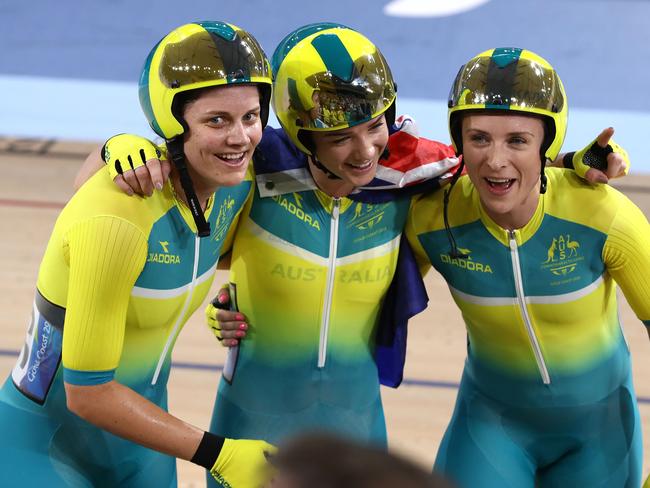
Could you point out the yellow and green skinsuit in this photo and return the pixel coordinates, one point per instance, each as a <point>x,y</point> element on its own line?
<point>546,391</point>
<point>120,277</point>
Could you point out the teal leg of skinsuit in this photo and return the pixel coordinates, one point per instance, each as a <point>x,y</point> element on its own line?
<point>64,451</point>
<point>491,445</point>
<point>307,400</point>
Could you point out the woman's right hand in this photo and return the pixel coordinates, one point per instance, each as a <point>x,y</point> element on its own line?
<point>229,327</point>
<point>136,164</point>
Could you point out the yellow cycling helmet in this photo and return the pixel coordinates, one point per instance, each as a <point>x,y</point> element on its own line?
<point>510,79</point>
<point>199,55</point>
<point>329,77</point>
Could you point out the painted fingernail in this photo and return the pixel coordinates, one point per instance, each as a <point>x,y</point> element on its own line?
<point>159,186</point>
<point>243,326</point>
<point>222,297</point>
<point>239,333</point>
<point>239,317</point>
<point>234,343</point>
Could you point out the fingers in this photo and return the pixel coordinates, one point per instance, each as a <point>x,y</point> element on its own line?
<point>144,178</point>
<point>222,299</point>
<point>594,176</point>
<point>123,185</point>
<point>132,181</point>
<point>157,172</point>
<point>166,168</point>
<point>233,327</point>
<point>616,165</point>
<point>604,137</point>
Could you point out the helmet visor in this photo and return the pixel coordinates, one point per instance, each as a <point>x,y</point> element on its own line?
<point>522,83</point>
<point>342,102</point>
<point>205,56</point>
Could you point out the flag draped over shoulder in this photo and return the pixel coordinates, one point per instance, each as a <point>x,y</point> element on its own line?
<point>414,165</point>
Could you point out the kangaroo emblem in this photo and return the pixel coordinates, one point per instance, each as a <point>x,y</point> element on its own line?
<point>551,251</point>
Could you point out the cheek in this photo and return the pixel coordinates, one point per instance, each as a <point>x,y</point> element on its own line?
<point>531,168</point>
<point>255,134</point>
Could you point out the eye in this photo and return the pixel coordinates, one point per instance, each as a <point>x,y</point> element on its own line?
<point>478,137</point>
<point>251,116</point>
<point>339,141</point>
<point>216,120</point>
<point>518,140</point>
<point>376,126</point>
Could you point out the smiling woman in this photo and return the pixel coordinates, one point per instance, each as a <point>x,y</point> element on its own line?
<point>86,402</point>
<point>502,160</point>
<point>224,128</point>
<point>546,396</point>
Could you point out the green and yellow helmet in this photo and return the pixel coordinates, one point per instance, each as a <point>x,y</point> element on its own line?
<point>510,79</point>
<point>329,77</point>
<point>199,55</point>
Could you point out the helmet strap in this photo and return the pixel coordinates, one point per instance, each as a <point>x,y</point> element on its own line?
<point>330,175</point>
<point>543,181</point>
<point>454,253</point>
<point>175,149</point>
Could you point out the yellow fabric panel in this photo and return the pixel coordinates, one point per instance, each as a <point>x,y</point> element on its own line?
<point>627,256</point>
<point>106,255</point>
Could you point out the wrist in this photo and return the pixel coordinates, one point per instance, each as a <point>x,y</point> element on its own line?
<point>567,160</point>
<point>208,451</point>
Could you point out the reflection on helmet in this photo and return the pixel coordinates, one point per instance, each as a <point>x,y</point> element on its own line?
<point>510,79</point>
<point>330,79</point>
<point>193,56</point>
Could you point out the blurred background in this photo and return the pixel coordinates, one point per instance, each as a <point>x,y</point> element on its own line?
<point>69,69</point>
<point>68,79</point>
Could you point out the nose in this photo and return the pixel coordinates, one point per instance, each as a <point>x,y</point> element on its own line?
<point>364,150</point>
<point>238,134</point>
<point>497,158</point>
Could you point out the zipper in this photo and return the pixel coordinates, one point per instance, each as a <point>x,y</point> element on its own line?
<point>331,268</point>
<point>519,286</point>
<point>179,319</point>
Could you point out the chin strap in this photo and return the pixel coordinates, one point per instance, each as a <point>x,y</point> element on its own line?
<point>454,253</point>
<point>175,149</point>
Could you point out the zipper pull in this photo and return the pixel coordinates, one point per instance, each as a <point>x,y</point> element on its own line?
<point>336,208</point>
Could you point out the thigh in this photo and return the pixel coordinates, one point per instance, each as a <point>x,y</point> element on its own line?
<point>24,451</point>
<point>610,452</point>
<point>477,452</point>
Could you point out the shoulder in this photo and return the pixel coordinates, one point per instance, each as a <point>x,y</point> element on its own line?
<point>428,209</point>
<point>276,152</point>
<point>571,198</point>
<point>100,197</point>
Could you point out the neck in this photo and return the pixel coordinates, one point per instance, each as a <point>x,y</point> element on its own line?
<point>334,188</point>
<point>202,195</point>
<point>519,217</point>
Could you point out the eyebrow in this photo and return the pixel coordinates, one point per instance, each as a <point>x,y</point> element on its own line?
<point>513,133</point>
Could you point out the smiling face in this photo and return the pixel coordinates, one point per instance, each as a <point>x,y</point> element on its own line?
<point>352,153</point>
<point>502,156</point>
<point>224,128</point>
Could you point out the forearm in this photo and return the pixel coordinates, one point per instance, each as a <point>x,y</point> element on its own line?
<point>90,166</point>
<point>558,162</point>
<point>121,411</point>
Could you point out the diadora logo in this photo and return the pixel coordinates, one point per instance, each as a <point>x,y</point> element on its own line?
<point>225,216</point>
<point>562,256</point>
<point>466,263</point>
<point>293,205</point>
<point>164,257</point>
<point>367,216</point>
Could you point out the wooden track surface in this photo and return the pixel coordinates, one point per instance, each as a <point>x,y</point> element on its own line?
<point>37,180</point>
